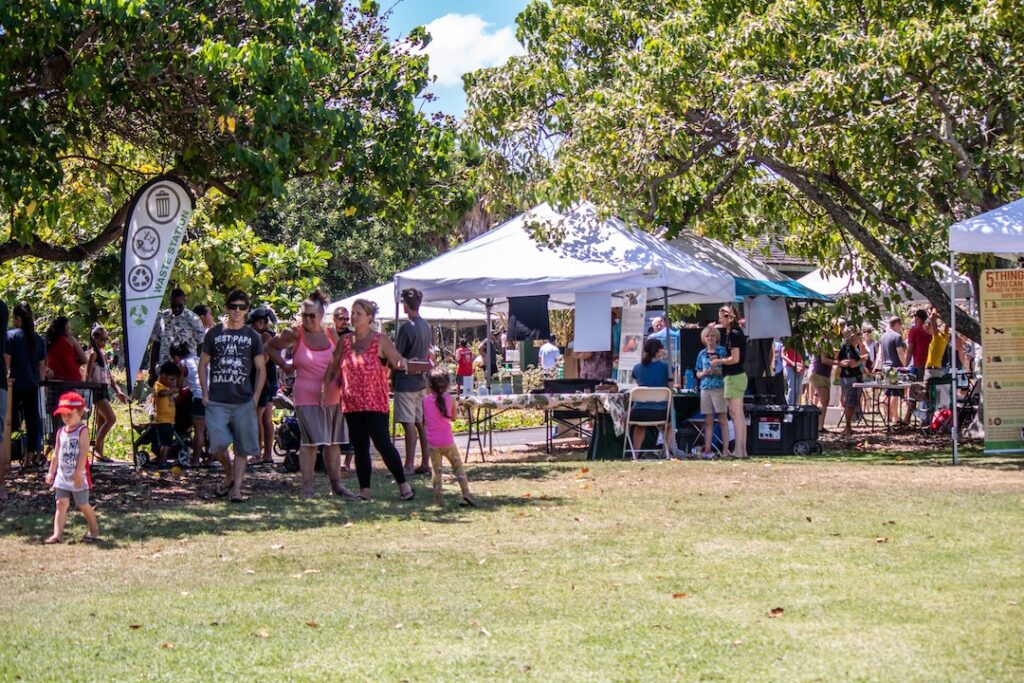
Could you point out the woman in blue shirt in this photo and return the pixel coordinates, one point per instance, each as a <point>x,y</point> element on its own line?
<point>650,372</point>
<point>25,354</point>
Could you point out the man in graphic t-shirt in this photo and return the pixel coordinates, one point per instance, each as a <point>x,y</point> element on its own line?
<point>231,351</point>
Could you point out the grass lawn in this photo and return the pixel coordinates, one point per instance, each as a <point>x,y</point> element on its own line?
<point>781,569</point>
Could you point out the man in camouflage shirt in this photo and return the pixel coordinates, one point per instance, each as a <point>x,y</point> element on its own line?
<point>175,325</point>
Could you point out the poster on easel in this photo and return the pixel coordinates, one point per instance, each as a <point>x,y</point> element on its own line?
<point>1002,330</point>
<point>631,343</point>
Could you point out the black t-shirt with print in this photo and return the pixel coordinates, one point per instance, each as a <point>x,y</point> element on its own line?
<point>231,363</point>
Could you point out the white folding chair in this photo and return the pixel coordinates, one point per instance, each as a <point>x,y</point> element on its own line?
<point>648,395</point>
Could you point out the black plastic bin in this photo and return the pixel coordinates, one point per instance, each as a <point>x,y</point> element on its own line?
<point>782,430</point>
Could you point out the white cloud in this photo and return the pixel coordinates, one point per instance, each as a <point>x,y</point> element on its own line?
<point>461,43</point>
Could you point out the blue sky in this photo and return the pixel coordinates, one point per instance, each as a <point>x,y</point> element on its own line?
<point>467,35</point>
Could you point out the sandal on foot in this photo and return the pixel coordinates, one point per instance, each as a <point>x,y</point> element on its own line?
<point>53,540</point>
<point>468,502</point>
<point>345,493</point>
<point>238,499</point>
<point>89,538</point>
<point>409,496</point>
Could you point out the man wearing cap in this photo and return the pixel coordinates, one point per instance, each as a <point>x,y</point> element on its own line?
<point>232,351</point>
<point>174,325</point>
<point>852,356</point>
<point>413,341</point>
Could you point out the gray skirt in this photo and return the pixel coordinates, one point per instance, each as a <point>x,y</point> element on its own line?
<point>321,425</point>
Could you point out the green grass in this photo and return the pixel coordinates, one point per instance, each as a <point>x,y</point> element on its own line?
<point>567,572</point>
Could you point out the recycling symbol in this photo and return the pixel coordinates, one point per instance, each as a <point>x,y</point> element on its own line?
<point>140,278</point>
<point>138,314</point>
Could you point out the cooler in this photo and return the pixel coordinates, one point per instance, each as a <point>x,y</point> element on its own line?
<point>782,430</point>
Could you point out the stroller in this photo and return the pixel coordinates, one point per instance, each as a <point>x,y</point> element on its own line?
<point>145,444</point>
<point>287,437</point>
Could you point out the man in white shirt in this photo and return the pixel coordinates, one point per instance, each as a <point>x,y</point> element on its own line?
<point>549,355</point>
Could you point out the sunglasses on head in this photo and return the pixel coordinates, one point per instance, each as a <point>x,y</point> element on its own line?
<point>238,307</point>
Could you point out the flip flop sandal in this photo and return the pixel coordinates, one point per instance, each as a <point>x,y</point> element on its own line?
<point>346,494</point>
<point>220,493</point>
<point>409,496</point>
<point>468,503</point>
<point>53,541</point>
<point>91,539</point>
<point>237,500</point>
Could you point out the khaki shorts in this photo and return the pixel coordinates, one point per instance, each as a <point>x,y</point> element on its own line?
<point>820,381</point>
<point>409,406</point>
<point>736,385</point>
<point>713,401</point>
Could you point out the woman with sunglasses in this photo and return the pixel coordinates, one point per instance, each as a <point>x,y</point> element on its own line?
<point>362,359</point>
<point>735,343</point>
<point>97,370</point>
<point>311,348</point>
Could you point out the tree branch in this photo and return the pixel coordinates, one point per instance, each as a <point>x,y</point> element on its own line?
<point>12,249</point>
<point>929,286</point>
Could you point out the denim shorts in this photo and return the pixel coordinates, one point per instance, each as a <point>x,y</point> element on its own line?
<point>233,423</point>
<point>81,496</point>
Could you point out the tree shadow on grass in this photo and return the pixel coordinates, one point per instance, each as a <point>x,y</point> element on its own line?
<point>273,504</point>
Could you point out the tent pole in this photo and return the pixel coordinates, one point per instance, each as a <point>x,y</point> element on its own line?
<point>953,353</point>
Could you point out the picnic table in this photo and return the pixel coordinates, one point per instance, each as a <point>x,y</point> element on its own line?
<point>481,410</point>
<point>877,395</point>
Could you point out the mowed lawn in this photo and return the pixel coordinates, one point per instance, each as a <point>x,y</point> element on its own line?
<point>762,570</point>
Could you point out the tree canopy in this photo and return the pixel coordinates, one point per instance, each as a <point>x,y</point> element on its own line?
<point>857,129</point>
<point>235,97</point>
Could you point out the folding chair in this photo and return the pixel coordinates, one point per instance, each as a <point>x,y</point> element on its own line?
<point>648,395</point>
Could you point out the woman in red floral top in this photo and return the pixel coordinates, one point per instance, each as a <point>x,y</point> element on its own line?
<point>362,358</point>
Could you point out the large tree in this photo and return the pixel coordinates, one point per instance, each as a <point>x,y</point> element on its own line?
<point>236,97</point>
<point>858,129</point>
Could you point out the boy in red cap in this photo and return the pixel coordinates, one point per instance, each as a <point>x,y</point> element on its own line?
<point>69,468</point>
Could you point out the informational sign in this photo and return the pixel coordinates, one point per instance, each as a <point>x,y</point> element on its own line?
<point>631,343</point>
<point>157,222</point>
<point>1002,329</point>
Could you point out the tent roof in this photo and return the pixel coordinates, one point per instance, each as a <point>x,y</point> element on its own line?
<point>837,286</point>
<point>752,277</point>
<point>384,297</point>
<point>583,254</point>
<point>998,231</point>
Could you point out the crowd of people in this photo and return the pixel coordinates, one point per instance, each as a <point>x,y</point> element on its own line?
<point>921,352</point>
<point>224,375</point>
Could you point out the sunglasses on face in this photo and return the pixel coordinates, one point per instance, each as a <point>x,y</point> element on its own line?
<point>238,307</point>
<point>310,316</point>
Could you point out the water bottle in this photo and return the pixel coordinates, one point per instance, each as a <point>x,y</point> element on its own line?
<point>690,381</point>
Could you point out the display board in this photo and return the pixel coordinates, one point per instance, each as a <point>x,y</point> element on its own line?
<point>631,342</point>
<point>1002,323</point>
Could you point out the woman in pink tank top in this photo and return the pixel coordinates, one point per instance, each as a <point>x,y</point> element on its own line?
<point>362,358</point>
<point>317,409</point>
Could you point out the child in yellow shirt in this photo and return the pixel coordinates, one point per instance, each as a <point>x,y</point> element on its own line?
<point>165,391</point>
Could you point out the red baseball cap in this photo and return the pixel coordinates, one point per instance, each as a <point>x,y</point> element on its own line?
<point>69,402</point>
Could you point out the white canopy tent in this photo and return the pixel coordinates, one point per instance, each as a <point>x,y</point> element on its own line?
<point>576,252</point>
<point>1000,231</point>
<point>385,297</point>
<point>562,254</point>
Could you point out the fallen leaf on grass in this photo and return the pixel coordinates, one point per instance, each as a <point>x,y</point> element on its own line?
<point>347,525</point>
<point>575,519</point>
<point>379,555</point>
<point>808,519</point>
<point>167,646</point>
<point>1013,603</point>
<point>484,632</point>
<point>680,595</point>
<point>474,623</point>
<point>882,539</point>
<point>262,633</point>
<point>250,571</point>
<point>737,642</point>
<point>313,624</point>
<point>482,560</point>
<point>134,627</point>
<point>775,613</point>
<point>399,626</point>
<point>311,571</point>
<point>277,546</point>
<point>584,470</point>
<point>184,593</point>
